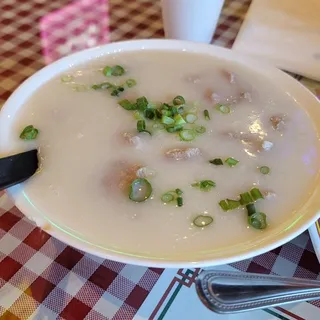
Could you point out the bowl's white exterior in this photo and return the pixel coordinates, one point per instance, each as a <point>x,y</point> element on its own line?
<point>270,239</point>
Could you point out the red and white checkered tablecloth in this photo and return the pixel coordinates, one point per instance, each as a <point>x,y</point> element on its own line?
<point>42,278</point>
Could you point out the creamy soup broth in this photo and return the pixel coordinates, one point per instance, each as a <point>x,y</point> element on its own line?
<point>85,143</point>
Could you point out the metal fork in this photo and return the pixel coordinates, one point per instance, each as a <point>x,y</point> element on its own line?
<point>229,292</point>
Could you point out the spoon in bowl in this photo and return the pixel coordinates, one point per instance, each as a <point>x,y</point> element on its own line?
<point>18,168</point>
<point>230,292</point>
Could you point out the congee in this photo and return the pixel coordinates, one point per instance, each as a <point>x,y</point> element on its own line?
<point>157,152</point>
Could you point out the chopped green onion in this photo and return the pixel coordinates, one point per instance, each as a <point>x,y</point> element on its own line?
<point>258,220</point>
<point>256,194</point>
<point>115,92</point>
<point>178,100</point>
<point>229,204</point>
<point>131,83</point>
<point>179,201</point>
<point>245,198</point>
<point>202,221</point>
<point>180,110</point>
<point>174,129</point>
<point>231,162</point>
<point>103,85</point>
<point>187,135</point>
<point>179,192</point>
<point>137,115</point>
<point>223,108</point>
<point>217,162</point>
<point>140,190</point>
<point>224,205</point>
<point>142,103</point>
<point>178,120</point>
<point>113,71</point>
<point>126,104</point>
<point>251,209</point>
<point>200,129</point>
<point>204,185</point>
<point>206,114</point>
<point>167,120</point>
<point>67,78</point>
<point>107,71</point>
<point>150,113</point>
<point>167,197</point>
<point>264,170</point>
<point>191,117</point>
<point>158,114</point>
<point>141,126</point>
<point>166,113</point>
<point>29,133</point>
<point>233,204</point>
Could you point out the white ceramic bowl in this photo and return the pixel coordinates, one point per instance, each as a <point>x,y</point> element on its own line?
<point>292,227</point>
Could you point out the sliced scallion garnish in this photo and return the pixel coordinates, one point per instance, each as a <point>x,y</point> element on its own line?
<point>231,162</point>
<point>223,108</point>
<point>191,117</point>
<point>179,192</point>
<point>229,204</point>
<point>178,120</point>
<point>258,220</point>
<point>140,190</point>
<point>202,221</point>
<point>67,78</point>
<point>131,83</point>
<point>256,194</point>
<point>204,185</point>
<point>178,100</point>
<point>150,113</point>
<point>167,120</point>
<point>217,162</point>
<point>251,209</point>
<point>206,114</point>
<point>116,91</point>
<point>246,198</point>
<point>113,71</point>
<point>127,105</point>
<point>29,133</point>
<point>264,170</point>
<point>179,201</point>
<point>103,85</point>
<point>141,126</point>
<point>174,129</point>
<point>142,103</point>
<point>187,135</point>
<point>167,197</point>
<point>200,129</point>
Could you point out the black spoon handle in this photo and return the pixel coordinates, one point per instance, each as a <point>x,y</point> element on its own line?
<point>17,168</point>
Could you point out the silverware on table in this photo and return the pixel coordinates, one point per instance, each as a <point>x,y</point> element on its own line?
<point>230,292</point>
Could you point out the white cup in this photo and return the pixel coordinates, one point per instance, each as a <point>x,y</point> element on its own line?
<point>193,20</point>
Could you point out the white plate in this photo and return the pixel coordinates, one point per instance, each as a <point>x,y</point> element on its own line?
<point>293,226</point>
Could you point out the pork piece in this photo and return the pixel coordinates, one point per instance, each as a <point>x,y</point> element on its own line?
<point>277,122</point>
<point>182,153</point>
<point>252,141</point>
<point>230,76</point>
<point>138,140</point>
<point>120,175</point>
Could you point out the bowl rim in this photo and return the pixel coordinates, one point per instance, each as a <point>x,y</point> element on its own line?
<point>292,87</point>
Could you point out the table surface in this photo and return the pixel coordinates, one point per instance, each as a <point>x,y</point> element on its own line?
<point>42,278</point>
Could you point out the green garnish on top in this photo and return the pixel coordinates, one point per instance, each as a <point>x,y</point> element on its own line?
<point>113,71</point>
<point>29,133</point>
<point>223,108</point>
<point>204,185</point>
<point>202,221</point>
<point>231,162</point>
<point>217,162</point>
<point>131,83</point>
<point>140,190</point>
<point>178,100</point>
